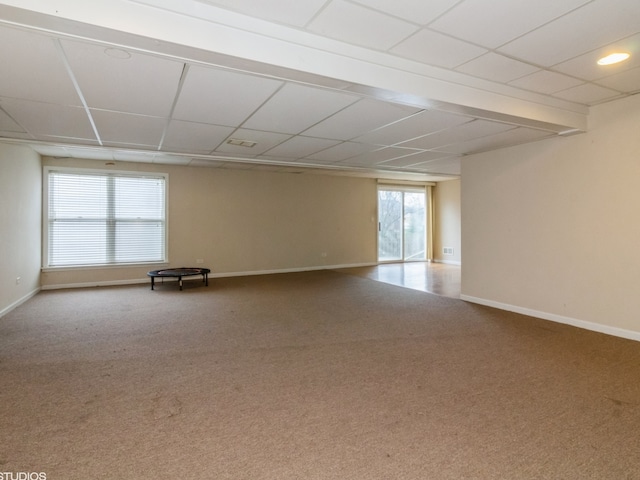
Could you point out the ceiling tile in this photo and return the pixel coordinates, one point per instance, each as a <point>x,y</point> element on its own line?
<point>448,166</point>
<point>30,56</point>
<point>411,127</point>
<point>545,81</point>
<point>299,147</point>
<point>492,23</point>
<point>355,24</point>
<point>7,124</point>
<point>114,79</point>
<point>189,137</point>
<point>122,129</point>
<point>49,119</point>
<point>264,141</point>
<point>221,97</point>
<point>415,11</point>
<point>499,140</point>
<point>615,19</point>
<point>379,156</point>
<point>295,108</point>
<point>587,94</point>
<point>434,48</point>
<point>496,67</point>
<point>291,12</point>
<point>342,151</point>
<point>358,118</point>
<point>413,159</point>
<point>461,133</point>
<point>523,135</point>
<point>628,81</point>
<point>427,156</point>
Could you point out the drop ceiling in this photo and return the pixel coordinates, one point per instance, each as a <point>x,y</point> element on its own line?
<point>397,89</point>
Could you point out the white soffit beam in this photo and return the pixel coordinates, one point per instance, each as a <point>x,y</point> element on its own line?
<point>199,32</point>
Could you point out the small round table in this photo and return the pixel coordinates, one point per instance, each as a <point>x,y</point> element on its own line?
<point>179,273</point>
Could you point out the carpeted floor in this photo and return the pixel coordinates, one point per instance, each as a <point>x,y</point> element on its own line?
<point>317,375</point>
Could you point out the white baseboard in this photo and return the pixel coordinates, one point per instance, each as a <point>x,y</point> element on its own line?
<point>19,302</point>
<point>113,283</point>
<point>290,270</point>
<point>110,283</point>
<point>447,262</point>
<point>596,327</point>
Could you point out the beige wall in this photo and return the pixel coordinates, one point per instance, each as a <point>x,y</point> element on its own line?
<point>446,199</point>
<point>243,221</point>
<point>20,224</point>
<point>552,228</point>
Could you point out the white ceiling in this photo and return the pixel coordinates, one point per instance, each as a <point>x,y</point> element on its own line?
<point>399,88</point>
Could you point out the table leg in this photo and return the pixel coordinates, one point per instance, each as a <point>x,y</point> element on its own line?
<point>152,282</point>
<point>180,281</point>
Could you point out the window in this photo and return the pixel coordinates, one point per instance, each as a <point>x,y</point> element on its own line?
<point>103,218</point>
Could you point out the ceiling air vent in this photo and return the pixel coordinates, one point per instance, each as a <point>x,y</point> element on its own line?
<point>241,143</point>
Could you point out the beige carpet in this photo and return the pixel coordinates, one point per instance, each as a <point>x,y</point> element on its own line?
<point>318,375</point>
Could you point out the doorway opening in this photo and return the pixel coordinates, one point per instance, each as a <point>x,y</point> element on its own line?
<point>402,224</point>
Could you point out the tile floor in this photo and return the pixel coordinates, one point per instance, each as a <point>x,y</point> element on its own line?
<point>437,278</point>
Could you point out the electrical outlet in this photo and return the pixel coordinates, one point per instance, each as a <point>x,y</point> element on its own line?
<point>18,280</point>
<point>200,260</point>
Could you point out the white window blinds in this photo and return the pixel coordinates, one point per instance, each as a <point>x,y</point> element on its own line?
<point>96,218</point>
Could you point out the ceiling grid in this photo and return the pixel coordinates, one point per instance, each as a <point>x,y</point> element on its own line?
<point>400,88</point>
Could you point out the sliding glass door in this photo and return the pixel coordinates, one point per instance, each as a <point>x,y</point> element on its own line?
<point>402,224</point>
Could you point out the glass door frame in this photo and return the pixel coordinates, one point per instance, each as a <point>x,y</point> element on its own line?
<point>426,191</point>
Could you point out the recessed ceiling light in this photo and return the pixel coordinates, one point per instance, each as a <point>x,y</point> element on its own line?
<point>613,58</point>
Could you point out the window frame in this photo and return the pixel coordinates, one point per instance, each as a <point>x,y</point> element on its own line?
<point>47,170</point>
